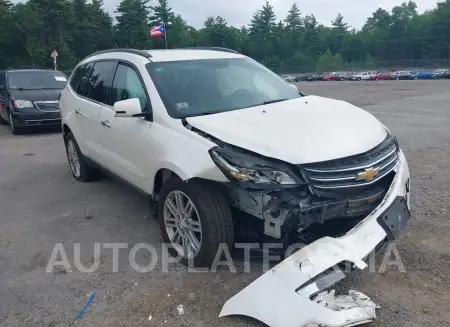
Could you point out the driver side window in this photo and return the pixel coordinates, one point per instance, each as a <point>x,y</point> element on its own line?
<point>128,85</point>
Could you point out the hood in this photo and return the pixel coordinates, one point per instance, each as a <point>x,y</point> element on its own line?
<point>36,95</point>
<point>303,130</point>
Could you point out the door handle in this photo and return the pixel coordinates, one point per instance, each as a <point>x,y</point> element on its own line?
<point>105,123</point>
<point>78,112</point>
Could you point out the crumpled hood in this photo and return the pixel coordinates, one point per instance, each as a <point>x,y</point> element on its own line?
<point>303,130</point>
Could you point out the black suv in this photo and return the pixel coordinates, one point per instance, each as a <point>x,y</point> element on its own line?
<point>29,98</point>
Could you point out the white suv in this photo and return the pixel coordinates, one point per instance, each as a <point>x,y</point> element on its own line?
<point>365,76</point>
<point>222,144</point>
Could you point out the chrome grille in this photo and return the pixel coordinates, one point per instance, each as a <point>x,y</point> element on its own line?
<point>360,170</point>
<point>48,106</point>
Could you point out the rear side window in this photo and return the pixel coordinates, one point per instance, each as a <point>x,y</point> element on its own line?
<point>79,77</point>
<point>99,82</point>
<point>127,85</point>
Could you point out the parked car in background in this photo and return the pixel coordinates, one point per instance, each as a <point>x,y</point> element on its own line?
<point>331,77</point>
<point>303,77</point>
<point>382,76</point>
<point>344,76</point>
<point>315,77</point>
<point>424,75</point>
<point>440,73</point>
<point>403,75</point>
<point>364,76</point>
<point>29,98</point>
<point>446,75</point>
<point>288,78</point>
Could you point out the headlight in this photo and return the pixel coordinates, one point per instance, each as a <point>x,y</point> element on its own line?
<point>19,104</point>
<point>258,175</point>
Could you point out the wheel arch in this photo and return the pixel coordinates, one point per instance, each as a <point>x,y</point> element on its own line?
<point>66,130</point>
<point>161,176</point>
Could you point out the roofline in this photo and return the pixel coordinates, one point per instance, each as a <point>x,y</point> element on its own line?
<point>141,53</point>
<point>211,48</point>
<point>146,54</point>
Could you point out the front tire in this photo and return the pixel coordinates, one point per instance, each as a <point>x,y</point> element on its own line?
<point>81,170</point>
<point>195,220</point>
<point>12,126</point>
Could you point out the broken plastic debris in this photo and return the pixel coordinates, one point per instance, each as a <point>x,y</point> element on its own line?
<point>180,309</point>
<point>150,317</point>
<point>354,299</point>
<point>362,307</point>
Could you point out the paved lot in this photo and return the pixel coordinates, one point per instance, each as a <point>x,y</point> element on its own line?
<point>41,204</point>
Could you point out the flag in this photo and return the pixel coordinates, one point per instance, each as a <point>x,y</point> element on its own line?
<point>159,30</point>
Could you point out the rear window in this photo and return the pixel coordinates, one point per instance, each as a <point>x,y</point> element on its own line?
<point>36,80</point>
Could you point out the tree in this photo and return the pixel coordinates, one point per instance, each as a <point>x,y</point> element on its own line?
<point>261,31</point>
<point>132,29</point>
<point>293,31</point>
<point>338,33</point>
<point>31,29</point>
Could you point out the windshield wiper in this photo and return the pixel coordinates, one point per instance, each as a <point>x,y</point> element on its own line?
<point>274,101</point>
<point>200,114</point>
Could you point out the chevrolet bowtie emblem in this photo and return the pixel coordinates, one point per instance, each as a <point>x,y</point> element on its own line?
<point>368,175</point>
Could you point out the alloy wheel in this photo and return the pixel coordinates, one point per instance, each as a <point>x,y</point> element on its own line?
<point>183,225</point>
<point>74,159</point>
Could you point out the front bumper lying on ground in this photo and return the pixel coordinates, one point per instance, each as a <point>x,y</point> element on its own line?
<point>295,292</point>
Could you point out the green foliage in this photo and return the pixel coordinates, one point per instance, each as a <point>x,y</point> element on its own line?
<point>329,62</point>
<point>30,30</point>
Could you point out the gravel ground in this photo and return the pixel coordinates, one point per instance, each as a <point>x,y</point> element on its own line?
<point>41,204</point>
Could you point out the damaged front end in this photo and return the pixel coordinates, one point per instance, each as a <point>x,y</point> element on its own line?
<point>371,189</point>
<point>296,201</point>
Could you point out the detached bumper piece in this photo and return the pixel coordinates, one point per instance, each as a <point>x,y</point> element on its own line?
<point>298,291</point>
<point>357,305</point>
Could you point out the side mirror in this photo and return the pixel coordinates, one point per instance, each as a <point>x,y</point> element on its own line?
<point>129,108</point>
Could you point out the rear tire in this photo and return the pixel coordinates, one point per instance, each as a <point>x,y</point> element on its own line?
<point>81,170</point>
<point>209,221</point>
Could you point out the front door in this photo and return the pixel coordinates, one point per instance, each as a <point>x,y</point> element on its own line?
<point>127,141</point>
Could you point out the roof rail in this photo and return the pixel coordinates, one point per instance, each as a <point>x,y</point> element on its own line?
<point>27,67</point>
<point>127,50</point>
<point>212,49</point>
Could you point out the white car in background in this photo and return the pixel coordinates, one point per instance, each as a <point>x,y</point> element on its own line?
<point>288,78</point>
<point>218,141</point>
<point>364,76</point>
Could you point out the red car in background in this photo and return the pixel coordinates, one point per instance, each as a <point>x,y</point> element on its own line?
<point>381,77</point>
<point>331,77</point>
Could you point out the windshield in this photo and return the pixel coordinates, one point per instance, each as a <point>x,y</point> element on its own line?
<point>35,80</point>
<point>199,87</point>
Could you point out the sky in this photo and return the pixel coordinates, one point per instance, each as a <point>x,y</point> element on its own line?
<point>239,12</point>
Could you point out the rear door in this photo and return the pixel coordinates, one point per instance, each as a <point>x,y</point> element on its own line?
<point>94,95</point>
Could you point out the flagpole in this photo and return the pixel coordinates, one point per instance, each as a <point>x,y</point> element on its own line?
<point>165,34</point>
